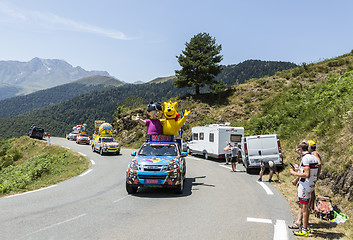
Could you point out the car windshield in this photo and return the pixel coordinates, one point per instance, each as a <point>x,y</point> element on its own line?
<point>73,133</point>
<point>158,150</point>
<point>83,135</point>
<point>108,140</point>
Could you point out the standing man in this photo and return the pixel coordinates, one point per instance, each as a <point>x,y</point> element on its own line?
<point>227,152</point>
<point>307,173</point>
<point>312,150</point>
<point>235,151</point>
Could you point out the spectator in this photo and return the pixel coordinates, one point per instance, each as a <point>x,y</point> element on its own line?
<point>273,169</point>
<point>235,151</point>
<point>312,150</point>
<point>307,172</point>
<point>227,153</point>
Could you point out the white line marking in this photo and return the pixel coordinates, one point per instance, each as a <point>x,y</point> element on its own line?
<point>266,188</point>
<point>121,199</point>
<point>228,167</point>
<point>280,230</point>
<point>87,172</point>
<point>30,191</point>
<point>259,220</point>
<point>93,162</point>
<point>67,147</point>
<point>57,224</point>
<point>82,154</point>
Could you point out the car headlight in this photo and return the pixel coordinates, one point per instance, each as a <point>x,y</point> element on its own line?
<point>173,166</point>
<point>134,166</point>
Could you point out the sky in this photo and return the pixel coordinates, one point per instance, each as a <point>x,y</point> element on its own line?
<point>139,40</point>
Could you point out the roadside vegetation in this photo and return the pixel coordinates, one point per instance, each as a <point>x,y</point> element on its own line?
<point>27,164</point>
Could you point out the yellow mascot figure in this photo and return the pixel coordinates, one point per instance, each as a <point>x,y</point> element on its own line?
<point>171,124</point>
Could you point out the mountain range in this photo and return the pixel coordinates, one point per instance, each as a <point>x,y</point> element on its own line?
<point>20,78</point>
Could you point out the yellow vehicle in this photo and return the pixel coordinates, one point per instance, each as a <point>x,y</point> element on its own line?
<point>103,141</point>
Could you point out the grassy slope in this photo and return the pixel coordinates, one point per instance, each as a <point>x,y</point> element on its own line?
<point>39,165</point>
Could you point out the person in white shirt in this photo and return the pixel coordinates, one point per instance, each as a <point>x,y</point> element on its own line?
<point>307,173</point>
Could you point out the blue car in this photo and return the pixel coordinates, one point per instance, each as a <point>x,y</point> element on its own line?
<point>158,163</point>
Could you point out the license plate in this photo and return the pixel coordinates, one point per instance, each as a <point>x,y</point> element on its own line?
<point>151,181</point>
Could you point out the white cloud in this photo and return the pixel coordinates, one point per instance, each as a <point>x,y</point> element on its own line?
<point>53,21</point>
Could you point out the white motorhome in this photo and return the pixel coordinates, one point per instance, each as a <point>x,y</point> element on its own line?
<point>210,140</point>
<point>267,147</point>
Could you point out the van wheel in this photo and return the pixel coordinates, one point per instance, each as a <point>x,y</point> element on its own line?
<point>205,155</point>
<point>189,151</point>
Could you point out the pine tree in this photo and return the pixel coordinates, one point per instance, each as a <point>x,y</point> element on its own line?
<point>199,62</point>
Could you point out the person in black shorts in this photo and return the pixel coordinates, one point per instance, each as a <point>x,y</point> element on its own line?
<point>273,169</point>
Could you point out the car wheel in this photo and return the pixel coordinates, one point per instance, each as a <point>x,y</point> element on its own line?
<point>180,188</point>
<point>205,155</point>
<point>131,189</point>
<point>101,152</point>
<point>93,150</point>
<point>118,152</point>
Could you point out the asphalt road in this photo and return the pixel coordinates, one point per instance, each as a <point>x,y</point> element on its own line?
<point>216,204</point>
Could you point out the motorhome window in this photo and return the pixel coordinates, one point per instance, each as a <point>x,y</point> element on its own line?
<point>196,136</point>
<point>235,138</point>
<point>201,136</point>
<point>211,137</point>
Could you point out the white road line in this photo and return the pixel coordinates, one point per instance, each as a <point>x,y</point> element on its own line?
<point>121,199</point>
<point>30,191</point>
<point>57,224</point>
<point>67,147</point>
<point>266,188</point>
<point>93,162</point>
<point>228,167</point>
<point>87,172</point>
<point>82,154</point>
<point>280,230</point>
<point>259,220</point>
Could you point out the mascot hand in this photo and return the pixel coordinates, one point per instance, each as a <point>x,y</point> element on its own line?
<point>186,113</point>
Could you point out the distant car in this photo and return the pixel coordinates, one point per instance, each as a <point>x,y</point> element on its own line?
<point>36,132</point>
<point>105,145</point>
<point>82,138</point>
<point>157,164</point>
<point>72,136</point>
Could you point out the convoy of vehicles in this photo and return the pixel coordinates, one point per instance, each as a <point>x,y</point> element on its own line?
<point>158,163</point>
<point>267,147</point>
<point>210,140</point>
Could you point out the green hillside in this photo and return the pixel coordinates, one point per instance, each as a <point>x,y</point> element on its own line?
<point>17,105</point>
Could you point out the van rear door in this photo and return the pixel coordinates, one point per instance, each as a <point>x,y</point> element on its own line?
<point>265,147</point>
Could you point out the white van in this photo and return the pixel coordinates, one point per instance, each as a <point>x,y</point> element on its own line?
<point>210,140</point>
<point>267,147</point>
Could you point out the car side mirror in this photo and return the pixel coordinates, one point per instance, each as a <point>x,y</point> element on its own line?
<point>133,153</point>
<point>184,154</point>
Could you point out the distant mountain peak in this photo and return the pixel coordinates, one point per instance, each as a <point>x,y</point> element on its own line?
<point>38,74</point>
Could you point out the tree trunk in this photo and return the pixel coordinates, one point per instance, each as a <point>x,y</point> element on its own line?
<point>197,90</point>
